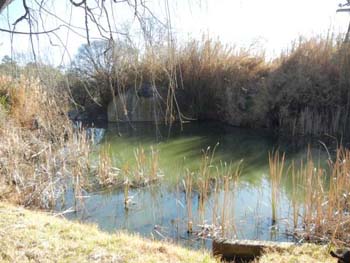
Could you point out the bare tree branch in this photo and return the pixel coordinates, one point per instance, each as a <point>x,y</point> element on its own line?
<point>26,14</point>
<point>78,4</point>
<point>29,33</point>
<point>343,10</point>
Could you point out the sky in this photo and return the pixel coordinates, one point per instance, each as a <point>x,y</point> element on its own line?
<point>269,25</point>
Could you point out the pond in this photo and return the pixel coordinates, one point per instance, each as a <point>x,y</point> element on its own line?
<point>161,210</point>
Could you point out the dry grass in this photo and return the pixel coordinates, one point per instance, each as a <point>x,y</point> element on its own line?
<point>27,236</point>
<point>206,180</point>
<point>296,93</point>
<point>307,253</point>
<point>107,175</point>
<point>188,181</point>
<point>38,148</point>
<point>276,164</point>
<point>143,172</point>
<point>146,170</point>
<point>218,80</point>
<point>319,199</point>
<point>308,87</point>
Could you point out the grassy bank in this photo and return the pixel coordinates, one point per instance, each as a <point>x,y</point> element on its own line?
<point>28,236</point>
<point>308,253</point>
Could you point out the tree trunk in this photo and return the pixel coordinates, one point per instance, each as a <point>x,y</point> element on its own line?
<point>346,40</point>
<point>3,4</point>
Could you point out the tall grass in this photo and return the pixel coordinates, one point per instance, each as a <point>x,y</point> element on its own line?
<point>296,93</point>
<point>228,176</point>
<point>276,164</point>
<point>296,185</point>
<point>40,151</point>
<point>153,164</point>
<point>319,199</point>
<point>188,181</point>
<point>221,182</point>
<point>308,87</point>
<point>146,167</point>
<point>107,174</point>
<point>204,177</point>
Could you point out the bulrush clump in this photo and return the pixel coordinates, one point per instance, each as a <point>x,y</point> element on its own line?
<point>38,148</point>
<point>319,199</point>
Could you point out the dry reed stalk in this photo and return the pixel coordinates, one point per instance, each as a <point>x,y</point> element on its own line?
<point>235,179</point>
<point>226,186</point>
<point>319,195</point>
<point>188,183</point>
<point>216,202</point>
<point>126,193</point>
<point>104,166</point>
<point>39,150</point>
<point>204,177</point>
<point>154,165</point>
<point>295,194</point>
<point>276,164</point>
<point>308,174</point>
<point>230,178</point>
<point>141,165</point>
<point>325,214</point>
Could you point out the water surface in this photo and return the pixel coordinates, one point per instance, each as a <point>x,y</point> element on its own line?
<point>160,210</point>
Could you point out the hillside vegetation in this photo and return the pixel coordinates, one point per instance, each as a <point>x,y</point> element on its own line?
<point>295,93</point>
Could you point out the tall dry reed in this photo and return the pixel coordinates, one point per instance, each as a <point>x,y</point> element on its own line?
<point>39,149</point>
<point>276,164</point>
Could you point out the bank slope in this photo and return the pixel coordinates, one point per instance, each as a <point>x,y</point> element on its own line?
<point>30,236</point>
<point>27,236</point>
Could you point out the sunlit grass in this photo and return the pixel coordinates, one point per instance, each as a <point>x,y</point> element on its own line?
<point>51,239</point>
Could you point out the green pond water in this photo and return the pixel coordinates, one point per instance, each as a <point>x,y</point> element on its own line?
<point>160,210</point>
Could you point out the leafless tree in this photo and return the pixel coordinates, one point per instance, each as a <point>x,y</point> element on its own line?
<point>98,16</point>
<point>345,7</point>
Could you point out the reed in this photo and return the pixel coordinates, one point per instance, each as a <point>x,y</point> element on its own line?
<point>154,165</point>
<point>226,185</point>
<point>321,197</point>
<point>107,174</point>
<point>230,176</point>
<point>276,165</point>
<point>40,151</point>
<point>215,210</point>
<point>141,164</point>
<point>126,193</point>
<point>204,177</point>
<point>188,183</point>
<point>146,170</point>
<point>296,184</point>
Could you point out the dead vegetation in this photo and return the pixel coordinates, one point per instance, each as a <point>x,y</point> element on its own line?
<point>319,198</point>
<point>295,93</point>
<point>39,150</point>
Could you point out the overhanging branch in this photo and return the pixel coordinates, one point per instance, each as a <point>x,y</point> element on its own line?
<point>343,10</point>
<point>29,33</point>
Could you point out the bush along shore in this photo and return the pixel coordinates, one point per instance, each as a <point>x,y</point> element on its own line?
<point>294,93</point>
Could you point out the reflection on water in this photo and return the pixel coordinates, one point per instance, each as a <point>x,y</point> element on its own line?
<point>160,211</point>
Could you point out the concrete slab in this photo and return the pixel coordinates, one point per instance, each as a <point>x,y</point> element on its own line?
<point>245,250</point>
